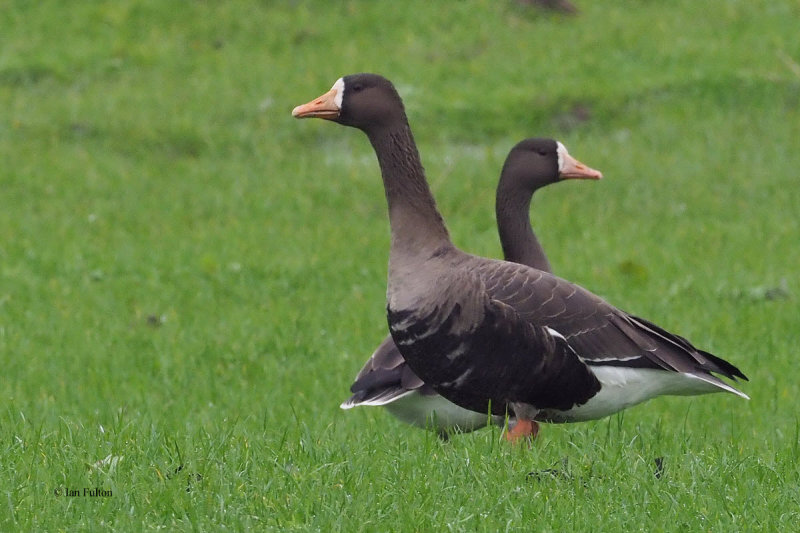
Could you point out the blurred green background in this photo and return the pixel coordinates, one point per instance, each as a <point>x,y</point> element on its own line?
<point>190,278</point>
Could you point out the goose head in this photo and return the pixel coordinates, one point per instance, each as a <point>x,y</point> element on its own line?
<point>534,163</point>
<point>364,101</point>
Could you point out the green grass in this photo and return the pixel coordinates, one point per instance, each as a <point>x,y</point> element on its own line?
<point>190,278</point>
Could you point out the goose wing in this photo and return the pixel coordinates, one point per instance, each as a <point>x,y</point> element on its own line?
<point>481,353</point>
<point>599,333</point>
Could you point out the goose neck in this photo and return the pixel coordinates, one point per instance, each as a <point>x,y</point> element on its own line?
<point>520,245</point>
<point>415,222</point>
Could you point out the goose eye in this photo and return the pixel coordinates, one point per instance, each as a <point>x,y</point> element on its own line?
<point>542,152</point>
<point>357,87</point>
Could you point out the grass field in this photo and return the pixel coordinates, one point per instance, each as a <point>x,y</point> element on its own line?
<point>190,278</point>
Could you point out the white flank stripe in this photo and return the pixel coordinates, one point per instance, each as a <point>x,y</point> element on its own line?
<point>620,359</point>
<point>554,333</point>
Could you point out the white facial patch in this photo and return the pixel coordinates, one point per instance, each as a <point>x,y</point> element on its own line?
<point>339,88</point>
<point>562,153</point>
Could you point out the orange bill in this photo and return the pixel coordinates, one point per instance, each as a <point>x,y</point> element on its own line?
<point>574,169</point>
<point>323,107</point>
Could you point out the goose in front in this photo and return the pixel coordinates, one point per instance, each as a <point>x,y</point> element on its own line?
<point>492,336</point>
<point>385,379</point>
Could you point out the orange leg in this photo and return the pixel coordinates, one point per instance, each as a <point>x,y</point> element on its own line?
<point>523,428</point>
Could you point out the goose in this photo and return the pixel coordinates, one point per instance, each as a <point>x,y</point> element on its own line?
<point>499,337</point>
<point>385,379</point>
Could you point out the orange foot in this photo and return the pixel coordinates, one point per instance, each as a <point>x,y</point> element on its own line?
<point>523,428</point>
